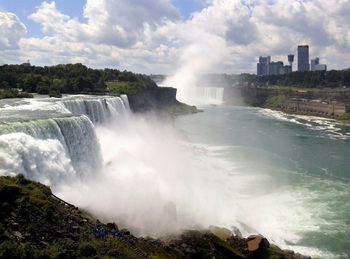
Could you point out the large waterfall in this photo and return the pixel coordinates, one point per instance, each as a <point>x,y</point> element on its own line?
<point>54,147</point>
<point>99,110</point>
<point>209,95</point>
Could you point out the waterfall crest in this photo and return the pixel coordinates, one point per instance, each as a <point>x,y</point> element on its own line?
<point>209,95</point>
<point>99,110</point>
<point>51,141</point>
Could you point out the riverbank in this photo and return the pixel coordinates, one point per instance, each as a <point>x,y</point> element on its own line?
<point>34,223</point>
<point>327,103</point>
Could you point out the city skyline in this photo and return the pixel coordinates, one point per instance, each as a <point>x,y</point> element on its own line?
<point>266,66</point>
<point>157,36</point>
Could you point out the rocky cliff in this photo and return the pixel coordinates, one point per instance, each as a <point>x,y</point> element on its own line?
<point>34,223</point>
<point>161,99</point>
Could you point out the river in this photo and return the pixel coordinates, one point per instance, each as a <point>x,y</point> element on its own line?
<point>284,176</point>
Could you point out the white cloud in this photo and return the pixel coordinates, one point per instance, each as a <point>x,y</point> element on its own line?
<point>11,31</point>
<point>149,35</point>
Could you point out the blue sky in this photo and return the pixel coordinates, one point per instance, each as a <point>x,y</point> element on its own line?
<point>23,8</point>
<point>74,8</point>
<point>157,36</point>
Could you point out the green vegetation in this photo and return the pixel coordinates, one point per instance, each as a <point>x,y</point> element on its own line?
<point>311,79</point>
<point>34,223</point>
<point>122,88</point>
<point>274,102</point>
<point>70,79</point>
<point>180,109</point>
<point>13,93</point>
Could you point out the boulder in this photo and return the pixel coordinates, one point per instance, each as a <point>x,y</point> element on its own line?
<point>258,246</point>
<point>222,233</point>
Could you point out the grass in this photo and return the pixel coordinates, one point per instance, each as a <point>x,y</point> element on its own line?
<point>122,88</point>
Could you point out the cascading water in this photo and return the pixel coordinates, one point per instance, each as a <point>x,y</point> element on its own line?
<point>209,95</point>
<point>52,147</point>
<point>50,150</point>
<point>157,178</point>
<point>99,110</point>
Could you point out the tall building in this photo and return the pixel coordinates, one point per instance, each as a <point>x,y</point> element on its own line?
<point>263,66</point>
<point>303,58</point>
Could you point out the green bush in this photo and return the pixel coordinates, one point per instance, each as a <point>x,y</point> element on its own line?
<point>275,101</point>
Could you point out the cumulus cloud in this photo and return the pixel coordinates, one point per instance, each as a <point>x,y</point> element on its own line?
<point>11,31</point>
<point>150,35</point>
<point>120,23</point>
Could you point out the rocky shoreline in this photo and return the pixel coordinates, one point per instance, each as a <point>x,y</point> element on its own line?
<point>34,223</point>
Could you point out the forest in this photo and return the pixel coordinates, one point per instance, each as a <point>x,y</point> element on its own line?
<point>311,79</point>
<point>68,79</point>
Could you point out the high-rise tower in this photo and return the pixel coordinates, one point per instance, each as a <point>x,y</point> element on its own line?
<point>263,66</point>
<point>303,58</point>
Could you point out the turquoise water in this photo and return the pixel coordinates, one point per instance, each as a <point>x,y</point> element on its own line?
<point>286,177</point>
<point>299,171</point>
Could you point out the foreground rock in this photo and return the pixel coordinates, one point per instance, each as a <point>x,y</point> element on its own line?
<point>34,223</point>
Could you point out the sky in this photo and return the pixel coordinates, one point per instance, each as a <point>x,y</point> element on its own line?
<point>159,36</point>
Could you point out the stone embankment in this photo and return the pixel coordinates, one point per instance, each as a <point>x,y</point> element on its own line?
<point>317,107</point>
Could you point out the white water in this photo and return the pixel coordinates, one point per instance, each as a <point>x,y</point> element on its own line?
<point>152,178</point>
<point>208,95</point>
<point>190,92</point>
<point>55,147</point>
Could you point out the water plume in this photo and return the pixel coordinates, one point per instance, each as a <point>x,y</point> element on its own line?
<point>202,55</point>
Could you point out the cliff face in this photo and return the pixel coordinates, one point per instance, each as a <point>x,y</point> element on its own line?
<point>160,99</point>
<point>149,99</point>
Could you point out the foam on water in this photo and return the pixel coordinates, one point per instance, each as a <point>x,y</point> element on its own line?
<point>155,179</point>
<point>333,128</point>
<point>50,150</point>
<point>39,140</point>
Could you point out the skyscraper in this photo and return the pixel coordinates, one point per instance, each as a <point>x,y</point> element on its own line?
<point>263,66</point>
<point>303,58</point>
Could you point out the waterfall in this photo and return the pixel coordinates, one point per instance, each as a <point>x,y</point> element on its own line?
<point>209,95</point>
<point>50,150</point>
<point>51,141</point>
<point>99,110</point>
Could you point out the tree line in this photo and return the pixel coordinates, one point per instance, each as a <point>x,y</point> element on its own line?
<point>310,79</point>
<point>67,79</point>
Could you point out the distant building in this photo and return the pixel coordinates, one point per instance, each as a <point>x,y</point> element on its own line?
<point>320,67</point>
<point>276,68</point>
<point>263,66</point>
<point>291,60</point>
<point>316,66</point>
<point>303,58</point>
<point>314,62</point>
<point>287,69</point>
